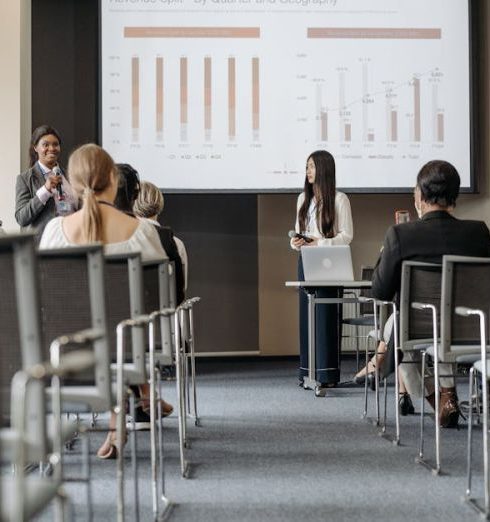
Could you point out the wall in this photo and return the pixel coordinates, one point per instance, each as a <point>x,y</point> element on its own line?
<point>15,100</point>
<point>238,246</point>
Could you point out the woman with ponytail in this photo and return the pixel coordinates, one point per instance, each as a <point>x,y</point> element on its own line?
<point>323,215</point>
<point>94,177</point>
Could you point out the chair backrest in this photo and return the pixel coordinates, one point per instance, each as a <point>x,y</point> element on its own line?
<point>72,299</point>
<point>465,282</point>
<point>366,275</point>
<point>420,282</point>
<point>156,283</point>
<point>123,288</point>
<point>172,293</point>
<point>20,338</point>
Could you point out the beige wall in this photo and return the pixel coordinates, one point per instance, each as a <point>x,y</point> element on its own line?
<point>15,105</point>
<point>372,214</point>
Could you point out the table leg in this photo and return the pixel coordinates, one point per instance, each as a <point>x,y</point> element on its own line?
<point>310,381</point>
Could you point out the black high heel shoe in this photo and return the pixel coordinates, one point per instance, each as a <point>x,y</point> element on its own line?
<point>361,380</point>
<point>406,405</point>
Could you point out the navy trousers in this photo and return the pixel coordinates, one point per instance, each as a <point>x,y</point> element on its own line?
<point>328,334</point>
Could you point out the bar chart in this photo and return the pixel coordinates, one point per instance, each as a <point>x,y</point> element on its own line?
<point>196,77</point>
<point>359,114</point>
<point>368,108</point>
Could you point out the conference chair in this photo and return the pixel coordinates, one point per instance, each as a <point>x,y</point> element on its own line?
<point>418,281</point>
<point>188,334</point>
<point>71,284</point>
<point>102,291</point>
<point>20,341</point>
<point>22,494</point>
<point>364,314</point>
<point>378,314</point>
<point>123,291</point>
<point>156,284</point>
<point>72,298</point>
<point>479,374</point>
<point>157,296</point>
<point>465,282</point>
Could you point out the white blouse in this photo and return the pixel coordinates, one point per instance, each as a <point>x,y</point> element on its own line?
<point>145,240</point>
<point>343,227</point>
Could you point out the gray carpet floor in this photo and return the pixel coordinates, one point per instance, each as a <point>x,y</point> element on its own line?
<point>268,450</point>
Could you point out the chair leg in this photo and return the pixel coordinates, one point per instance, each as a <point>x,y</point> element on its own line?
<point>62,507</point>
<point>396,441</point>
<point>376,384</point>
<point>385,401</point>
<point>153,445</point>
<point>357,347</point>
<point>437,392</point>
<point>134,458</point>
<point>163,497</point>
<point>485,443</point>
<point>364,413</point>
<point>436,470</point>
<point>469,448</point>
<point>88,474</point>
<point>180,395</point>
<point>193,366</point>
<point>422,409</point>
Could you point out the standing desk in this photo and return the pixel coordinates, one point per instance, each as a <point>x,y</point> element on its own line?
<point>310,288</point>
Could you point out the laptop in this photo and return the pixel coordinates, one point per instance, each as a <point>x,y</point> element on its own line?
<point>327,263</point>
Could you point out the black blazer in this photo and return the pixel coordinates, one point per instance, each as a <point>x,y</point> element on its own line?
<point>438,233</point>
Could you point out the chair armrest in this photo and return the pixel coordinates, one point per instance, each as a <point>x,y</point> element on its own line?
<point>78,338</point>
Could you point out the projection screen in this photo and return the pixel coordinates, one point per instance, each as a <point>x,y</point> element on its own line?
<point>232,95</point>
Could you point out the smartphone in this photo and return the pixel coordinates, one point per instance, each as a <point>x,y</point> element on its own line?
<point>402,216</point>
<point>305,238</point>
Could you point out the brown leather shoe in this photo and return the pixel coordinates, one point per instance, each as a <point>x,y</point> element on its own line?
<point>448,408</point>
<point>431,399</point>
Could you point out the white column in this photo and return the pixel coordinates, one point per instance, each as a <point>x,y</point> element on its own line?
<point>15,101</point>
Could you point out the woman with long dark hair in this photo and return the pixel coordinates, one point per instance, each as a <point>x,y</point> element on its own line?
<point>324,216</point>
<point>43,191</point>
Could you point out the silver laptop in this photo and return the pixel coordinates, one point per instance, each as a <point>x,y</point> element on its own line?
<point>327,263</point>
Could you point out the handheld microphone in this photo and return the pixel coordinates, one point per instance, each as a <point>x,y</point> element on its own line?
<point>59,188</point>
<point>292,234</point>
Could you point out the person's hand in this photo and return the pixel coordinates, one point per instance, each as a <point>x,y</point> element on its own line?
<point>52,181</point>
<point>297,242</point>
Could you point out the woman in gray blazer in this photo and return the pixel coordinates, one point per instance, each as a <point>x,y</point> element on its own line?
<point>43,192</point>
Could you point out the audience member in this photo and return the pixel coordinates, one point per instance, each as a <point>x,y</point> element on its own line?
<point>128,189</point>
<point>436,234</point>
<point>95,180</point>
<point>149,205</point>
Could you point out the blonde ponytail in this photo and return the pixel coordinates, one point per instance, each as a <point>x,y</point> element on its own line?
<point>90,168</point>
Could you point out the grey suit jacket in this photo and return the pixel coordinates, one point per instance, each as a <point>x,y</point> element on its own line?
<point>30,212</point>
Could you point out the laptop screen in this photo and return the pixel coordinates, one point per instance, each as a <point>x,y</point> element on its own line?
<point>327,263</point>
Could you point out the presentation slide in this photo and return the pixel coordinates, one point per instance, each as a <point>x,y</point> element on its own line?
<point>235,94</point>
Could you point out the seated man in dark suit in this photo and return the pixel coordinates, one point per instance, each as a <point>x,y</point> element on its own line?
<point>437,233</point>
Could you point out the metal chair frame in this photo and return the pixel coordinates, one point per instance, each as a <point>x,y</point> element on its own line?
<point>482,372</point>
<point>447,349</point>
